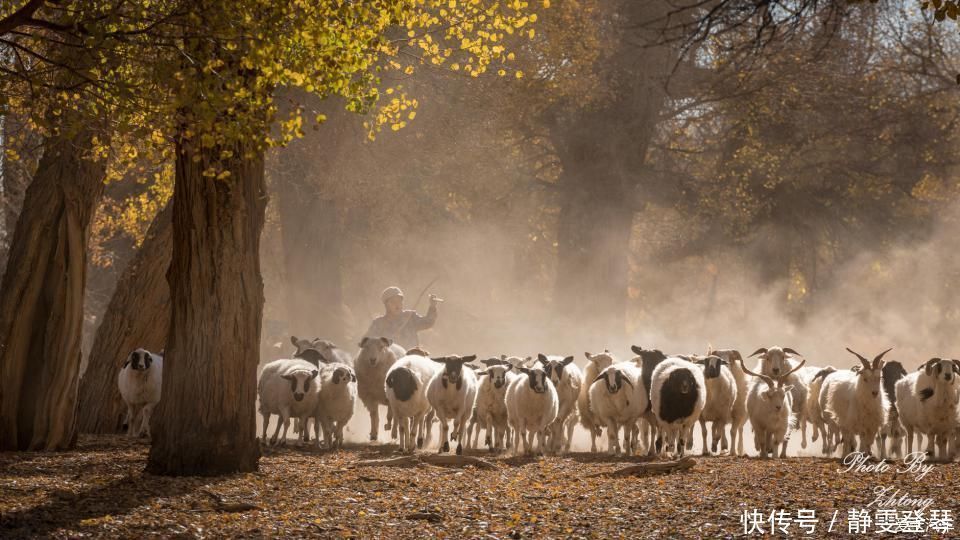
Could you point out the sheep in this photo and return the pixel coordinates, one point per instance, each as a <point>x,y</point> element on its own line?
<point>738,413</point>
<point>452,393</point>
<point>927,401</point>
<point>853,403</point>
<point>338,393</point>
<point>721,395</point>
<point>892,371</point>
<point>406,388</point>
<point>490,412</point>
<point>770,411</point>
<point>615,406</point>
<point>814,414</point>
<point>287,388</point>
<point>677,394</point>
<point>308,350</point>
<point>567,379</point>
<point>648,360</point>
<point>532,405</point>
<point>374,359</point>
<point>596,363</point>
<point>140,381</point>
<point>773,362</point>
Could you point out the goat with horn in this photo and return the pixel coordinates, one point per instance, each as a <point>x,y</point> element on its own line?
<point>769,404</point>
<point>854,404</point>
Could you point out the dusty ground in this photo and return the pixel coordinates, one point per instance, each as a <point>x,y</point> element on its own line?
<point>100,490</point>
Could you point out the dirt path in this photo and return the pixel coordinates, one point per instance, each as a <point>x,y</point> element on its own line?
<point>100,490</point>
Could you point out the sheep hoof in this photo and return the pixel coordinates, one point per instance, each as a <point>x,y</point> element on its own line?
<point>459,449</point>
<point>373,436</point>
<point>419,442</point>
<point>445,447</point>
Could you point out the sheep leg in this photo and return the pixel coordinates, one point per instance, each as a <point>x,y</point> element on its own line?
<point>569,439</point>
<point>942,447</point>
<point>444,435</point>
<point>374,409</point>
<point>266,424</point>
<point>458,431</point>
<point>128,421</point>
<point>613,438</point>
<point>391,425</point>
<point>703,434</point>
<point>147,413</point>
<point>541,441</point>
<point>740,450</point>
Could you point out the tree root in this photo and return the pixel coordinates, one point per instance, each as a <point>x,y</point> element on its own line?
<point>429,459</point>
<point>658,467</point>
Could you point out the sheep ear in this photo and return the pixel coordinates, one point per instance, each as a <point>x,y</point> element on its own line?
<point>600,376</point>
<point>482,372</point>
<point>567,360</point>
<point>288,377</point>
<point>791,351</point>
<point>541,358</point>
<point>788,388</point>
<point>503,357</point>
<point>353,376</point>
<point>386,341</point>
<point>588,355</point>
<point>524,370</point>
<point>294,340</point>
<point>470,358</point>
<point>956,366</point>
<point>636,349</point>
<point>313,374</point>
<point>723,362</point>
<point>762,350</point>
<point>440,359</point>
<point>508,366</point>
<point>363,342</point>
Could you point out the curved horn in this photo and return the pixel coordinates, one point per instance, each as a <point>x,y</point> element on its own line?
<point>783,377</point>
<point>929,364</point>
<point>765,379</point>
<point>864,361</point>
<point>876,359</point>
<point>758,351</point>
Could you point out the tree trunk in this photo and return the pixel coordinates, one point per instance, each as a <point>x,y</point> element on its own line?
<point>16,176</point>
<point>602,150</point>
<point>138,316</point>
<point>41,306</point>
<point>205,422</point>
<point>311,248</point>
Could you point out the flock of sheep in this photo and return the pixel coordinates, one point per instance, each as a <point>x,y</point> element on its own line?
<point>649,403</point>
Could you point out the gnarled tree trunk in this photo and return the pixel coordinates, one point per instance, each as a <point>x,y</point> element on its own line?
<point>205,422</point>
<point>138,316</point>
<point>41,299</point>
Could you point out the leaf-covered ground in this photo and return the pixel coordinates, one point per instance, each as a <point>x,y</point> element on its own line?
<point>101,490</point>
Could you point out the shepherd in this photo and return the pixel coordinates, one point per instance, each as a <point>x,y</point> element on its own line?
<point>399,324</point>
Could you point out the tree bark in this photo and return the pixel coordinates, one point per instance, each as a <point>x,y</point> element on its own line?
<point>138,316</point>
<point>205,422</point>
<point>41,307</point>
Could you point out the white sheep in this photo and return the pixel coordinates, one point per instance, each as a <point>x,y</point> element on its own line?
<point>490,411</point>
<point>771,412</point>
<point>406,388</point>
<point>532,405</point>
<point>374,359</point>
<point>677,396</point>
<point>927,401</point>
<point>567,380</point>
<point>617,400</point>
<point>140,381</point>
<point>338,394</point>
<point>738,413</point>
<point>452,392</point>
<point>773,363</point>
<point>721,396</point>
<point>596,363</point>
<point>287,387</point>
<point>854,403</point>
